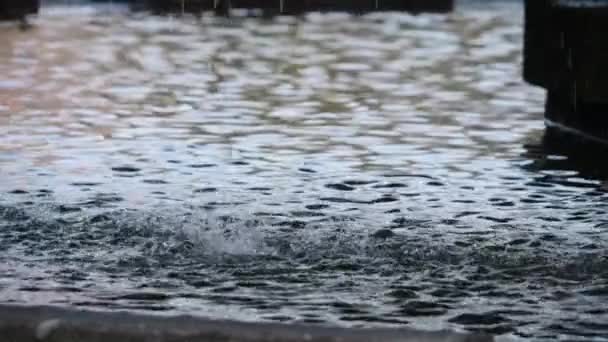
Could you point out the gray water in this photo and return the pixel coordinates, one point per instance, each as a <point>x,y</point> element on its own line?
<point>378,170</point>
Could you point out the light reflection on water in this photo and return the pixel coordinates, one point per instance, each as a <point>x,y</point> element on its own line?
<point>375,170</point>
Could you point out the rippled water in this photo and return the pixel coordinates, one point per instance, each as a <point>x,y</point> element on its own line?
<point>385,169</point>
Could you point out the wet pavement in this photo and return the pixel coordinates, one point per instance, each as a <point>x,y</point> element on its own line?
<point>378,170</point>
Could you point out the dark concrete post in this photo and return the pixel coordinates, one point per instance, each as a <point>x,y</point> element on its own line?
<point>18,9</point>
<point>536,26</point>
<point>222,7</point>
<point>566,52</point>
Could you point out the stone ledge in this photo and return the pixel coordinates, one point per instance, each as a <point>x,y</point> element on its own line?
<point>53,324</point>
<point>293,7</point>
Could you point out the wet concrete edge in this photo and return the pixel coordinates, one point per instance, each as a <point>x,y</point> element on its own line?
<point>55,324</point>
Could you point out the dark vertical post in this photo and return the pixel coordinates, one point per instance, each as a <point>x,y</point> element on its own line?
<point>18,9</point>
<point>566,52</point>
<point>222,7</point>
<point>537,20</point>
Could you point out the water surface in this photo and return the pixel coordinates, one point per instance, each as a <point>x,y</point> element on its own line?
<point>378,170</point>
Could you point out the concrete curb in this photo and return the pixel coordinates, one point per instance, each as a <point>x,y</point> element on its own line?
<point>52,324</point>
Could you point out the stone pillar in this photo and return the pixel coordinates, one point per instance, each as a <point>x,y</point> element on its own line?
<point>18,9</point>
<point>566,52</point>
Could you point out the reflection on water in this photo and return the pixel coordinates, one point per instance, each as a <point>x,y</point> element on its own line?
<point>560,155</point>
<point>379,170</point>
